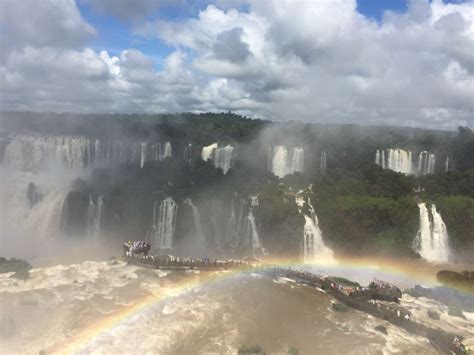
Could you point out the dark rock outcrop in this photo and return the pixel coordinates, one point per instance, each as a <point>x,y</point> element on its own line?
<point>381,329</point>
<point>14,265</point>
<point>463,280</point>
<point>339,307</point>
<point>433,314</point>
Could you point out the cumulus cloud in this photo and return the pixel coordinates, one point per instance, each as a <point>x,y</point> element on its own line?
<point>130,10</point>
<point>42,23</point>
<point>279,59</point>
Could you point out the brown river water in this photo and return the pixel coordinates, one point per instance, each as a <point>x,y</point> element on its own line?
<point>112,308</point>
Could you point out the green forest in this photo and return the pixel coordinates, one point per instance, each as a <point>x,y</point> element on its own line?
<point>361,207</point>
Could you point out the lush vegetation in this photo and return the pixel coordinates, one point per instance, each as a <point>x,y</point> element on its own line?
<point>360,206</point>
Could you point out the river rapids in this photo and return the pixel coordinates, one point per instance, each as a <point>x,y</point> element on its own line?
<point>109,307</point>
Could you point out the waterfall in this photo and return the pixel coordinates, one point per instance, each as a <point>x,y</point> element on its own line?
<point>254,201</point>
<point>313,244</point>
<point>323,163</point>
<point>398,160</point>
<point>168,153</point>
<point>30,153</point>
<point>143,154</point>
<point>94,217</point>
<point>156,153</point>
<point>208,151</point>
<point>279,162</point>
<point>446,164</point>
<point>220,156</point>
<point>432,240</point>
<point>431,164</point>
<point>223,158</point>
<point>282,163</point>
<point>426,163</point>
<point>29,216</point>
<point>199,238</point>
<point>252,234</point>
<point>164,222</point>
<point>188,153</point>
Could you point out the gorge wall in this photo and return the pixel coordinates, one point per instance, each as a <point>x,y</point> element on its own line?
<point>185,195</point>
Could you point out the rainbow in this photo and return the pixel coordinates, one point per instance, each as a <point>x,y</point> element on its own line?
<point>416,272</point>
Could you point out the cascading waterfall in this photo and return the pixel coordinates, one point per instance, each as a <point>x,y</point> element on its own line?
<point>323,163</point>
<point>94,217</point>
<point>426,163</point>
<point>199,238</point>
<point>432,240</point>
<point>234,225</point>
<point>252,233</point>
<point>254,201</point>
<point>279,161</point>
<point>208,151</point>
<point>188,153</point>
<point>143,154</point>
<point>446,164</point>
<point>164,223</point>
<point>313,244</point>
<point>401,161</point>
<point>156,152</point>
<point>398,160</point>
<point>223,158</point>
<point>32,153</point>
<point>168,153</point>
<point>29,218</point>
<point>220,156</point>
<point>282,162</point>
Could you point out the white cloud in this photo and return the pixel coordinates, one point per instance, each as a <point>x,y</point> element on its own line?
<point>314,61</point>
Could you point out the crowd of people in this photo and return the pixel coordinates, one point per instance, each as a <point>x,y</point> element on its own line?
<point>136,247</point>
<point>139,250</point>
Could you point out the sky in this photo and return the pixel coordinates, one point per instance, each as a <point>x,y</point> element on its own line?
<point>370,62</point>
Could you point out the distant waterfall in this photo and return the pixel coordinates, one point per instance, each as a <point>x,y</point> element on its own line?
<point>446,164</point>
<point>402,161</point>
<point>188,153</point>
<point>164,222</point>
<point>254,201</point>
<point>199,238</point>
<point>313,244</point>
<point>143,154</point>
<point>432,240</point>
<point>30,153</point>
<point>323,163</point>
<point>208,151</point>
<point>220,156</point>
<point>168,153</point>
<point>94,217</point>
<point>283,162</point>
<point>426,163</point>
<point>398,160</point>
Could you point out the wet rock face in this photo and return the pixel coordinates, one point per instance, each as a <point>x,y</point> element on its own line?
<point>74,213</point>
<point>381,329</point>
<point>34,194</point>
<point>14,265</point>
